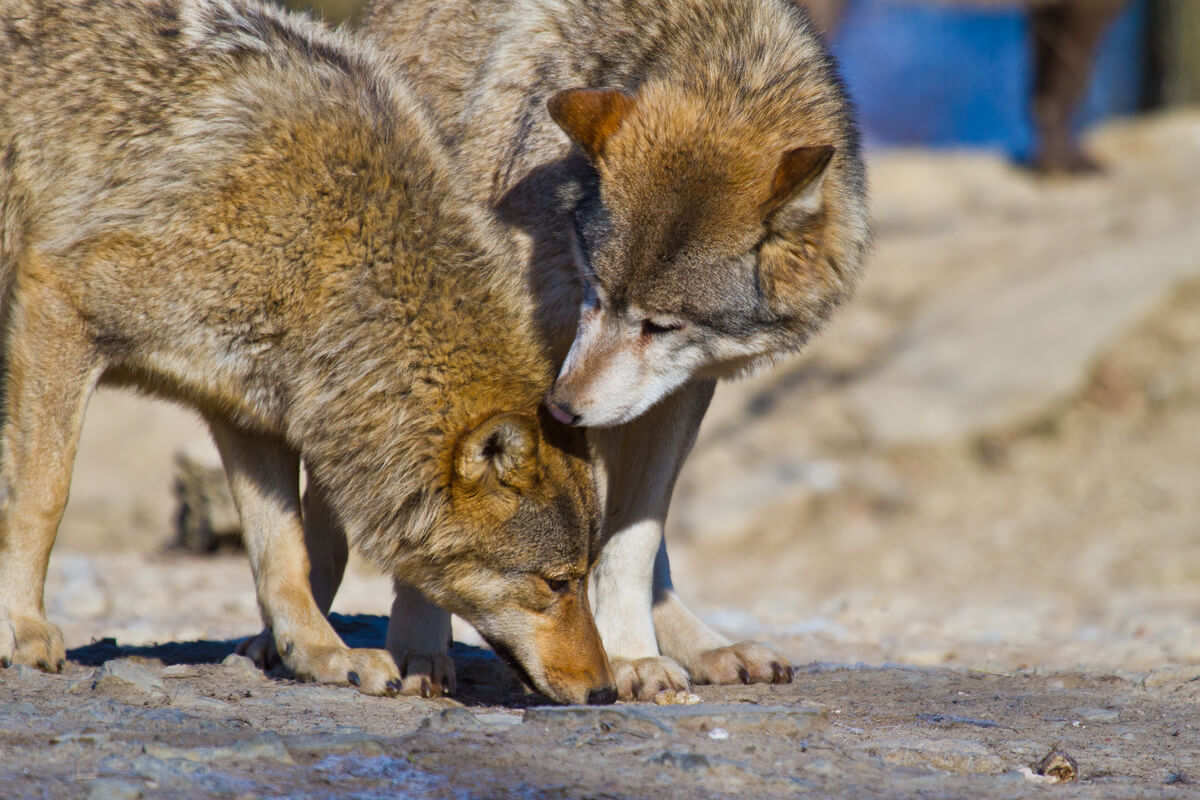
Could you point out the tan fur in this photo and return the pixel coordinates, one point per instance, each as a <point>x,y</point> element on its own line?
<point>236,209</point>
<point>668,223</point>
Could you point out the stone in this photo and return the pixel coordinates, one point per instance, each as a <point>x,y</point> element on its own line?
<point>1096,714</point>
<point>25,672</point>
<point>112,789</point>
<point>770,720</point>
<point>960,756</point>
<point>451,720</point>
<point>123,675</point>
<point>1001,352</point>
<point>267,747</point>
<point>358,743</point>
<point>1172,676</point>
<point>242,667</point>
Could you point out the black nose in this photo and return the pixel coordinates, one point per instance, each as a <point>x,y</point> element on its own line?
<point>602,697</point>
<point>561,411</point>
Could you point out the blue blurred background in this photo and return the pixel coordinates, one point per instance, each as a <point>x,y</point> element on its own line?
<point>960,75</point>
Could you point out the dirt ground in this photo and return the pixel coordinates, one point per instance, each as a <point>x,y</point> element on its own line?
<point>961,598</point>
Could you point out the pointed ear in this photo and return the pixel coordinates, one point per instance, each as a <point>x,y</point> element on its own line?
<point>590,116</point>
<point>503,447</point>
<point>799,178</point>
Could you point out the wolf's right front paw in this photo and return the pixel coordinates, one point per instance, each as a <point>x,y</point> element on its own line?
<point>32,641</point>
<point>370,671</point>
<point>426,674</point>
<point>643,678</point>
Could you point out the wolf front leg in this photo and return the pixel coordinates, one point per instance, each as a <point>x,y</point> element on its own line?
<point>638,613</point>
<point>51,371</point>
<point>264,480</point>
<point>639,462</point>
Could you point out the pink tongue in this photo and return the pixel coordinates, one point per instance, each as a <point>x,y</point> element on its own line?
<point>559,414</point>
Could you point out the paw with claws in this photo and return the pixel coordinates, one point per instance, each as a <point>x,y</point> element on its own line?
<point>643,678</point>
<point>370,671</point>
<point>32,641</point>
<point>426,674</point>
<point>744,662</point>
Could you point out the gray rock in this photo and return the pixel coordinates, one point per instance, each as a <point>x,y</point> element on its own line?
<point>961,756</point>
<point>242,667</point>
<point>688,762</point>
<point>24,672</point>
<point>267,747</point>
<point>123,674</point>
<point>452,720</point>
<point>1096,714</point>
<point>186,697</point>
<point>181,671</point>
<point>1172,676</point>
<point>770,720</point>
<point>88,737</point>
<point>362,744</point>
<point>112,789</point>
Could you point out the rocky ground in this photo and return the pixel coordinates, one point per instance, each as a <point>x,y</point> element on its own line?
<point>968,514</point>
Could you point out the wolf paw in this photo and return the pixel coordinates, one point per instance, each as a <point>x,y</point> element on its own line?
<point>643,678</point>
<point>426,674</point>
<point>260,649</point>
<point>744,662</point>
<point>32,641</point>
<point>370,671</point>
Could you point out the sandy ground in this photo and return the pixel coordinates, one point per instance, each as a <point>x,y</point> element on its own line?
<point>961,598</point>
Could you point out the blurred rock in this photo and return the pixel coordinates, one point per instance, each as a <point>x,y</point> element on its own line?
<point>1003,351</point>
<point>961,756</point>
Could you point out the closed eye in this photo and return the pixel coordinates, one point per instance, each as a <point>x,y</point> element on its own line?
<point>652,328</point>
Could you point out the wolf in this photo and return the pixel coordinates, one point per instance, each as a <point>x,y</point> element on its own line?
<point>1065,35</point>
<point>238,210</point>
<point>684,183</point>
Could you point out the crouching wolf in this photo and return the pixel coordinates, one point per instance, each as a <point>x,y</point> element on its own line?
<point>684,183</point>
<point>238,210</point>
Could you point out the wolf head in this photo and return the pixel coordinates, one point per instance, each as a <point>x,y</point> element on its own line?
<point>521,523</point>
<point>706,242</point>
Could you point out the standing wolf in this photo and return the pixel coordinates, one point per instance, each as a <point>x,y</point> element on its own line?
<point>684,182</point>
<point>235,209</point>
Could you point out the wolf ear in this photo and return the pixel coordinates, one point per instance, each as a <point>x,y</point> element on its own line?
<point>590,116</point>
<point>799,178</point>
<point>503,447</point>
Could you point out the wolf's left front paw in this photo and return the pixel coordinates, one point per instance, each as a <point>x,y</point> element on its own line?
<point>643,678</point>
<point>744,662</point>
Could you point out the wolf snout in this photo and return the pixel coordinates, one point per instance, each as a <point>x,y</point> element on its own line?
<point>602,697</point>
<point>561,410</point>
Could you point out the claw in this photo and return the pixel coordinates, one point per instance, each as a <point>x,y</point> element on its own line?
<point>352,676</point>
<point>743,675</point>
<point>394,685</point>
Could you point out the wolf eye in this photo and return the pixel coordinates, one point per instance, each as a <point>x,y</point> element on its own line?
<point>652,328</point>
<point>558,586</point>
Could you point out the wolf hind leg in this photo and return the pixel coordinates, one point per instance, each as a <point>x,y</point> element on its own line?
<point>52,369</point>
<point>264,480</point>
<point>328,551</point>
<point>418,638</point>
